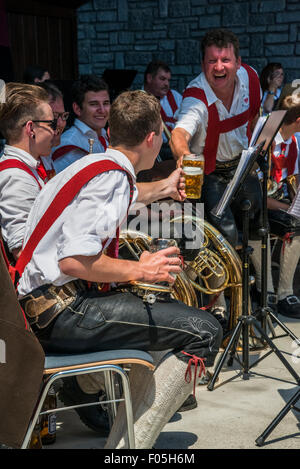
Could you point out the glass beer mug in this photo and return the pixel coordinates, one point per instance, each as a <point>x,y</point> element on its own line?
<point>193,167</point>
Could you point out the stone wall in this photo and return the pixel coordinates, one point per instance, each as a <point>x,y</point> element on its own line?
<point>128,34</point>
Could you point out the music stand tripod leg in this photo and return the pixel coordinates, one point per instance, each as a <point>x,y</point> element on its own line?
<point>243,323</point>
<point>290,404</point>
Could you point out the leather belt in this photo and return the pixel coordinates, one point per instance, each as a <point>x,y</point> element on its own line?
<point>227,165</point>
<point>45,303</point>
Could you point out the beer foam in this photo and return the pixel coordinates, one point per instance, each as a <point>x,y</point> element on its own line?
<point>192,170</point>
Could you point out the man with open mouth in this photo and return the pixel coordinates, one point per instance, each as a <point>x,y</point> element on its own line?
<point>219,110</point>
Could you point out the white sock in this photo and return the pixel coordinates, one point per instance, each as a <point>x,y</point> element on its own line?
<point>156,397</point>
<point>256,260</point>
<point>289,257</point>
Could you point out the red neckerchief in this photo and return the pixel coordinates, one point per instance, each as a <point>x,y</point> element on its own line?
<point>103,142</point>
<point>42,171</point>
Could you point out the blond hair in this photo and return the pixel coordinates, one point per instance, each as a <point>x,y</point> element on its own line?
<point>291,104</point>
<point>21,104</point>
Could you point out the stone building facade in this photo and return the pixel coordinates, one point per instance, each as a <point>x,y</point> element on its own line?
<point>128,34</point>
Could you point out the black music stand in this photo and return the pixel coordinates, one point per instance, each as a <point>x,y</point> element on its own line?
<point>247,320</point>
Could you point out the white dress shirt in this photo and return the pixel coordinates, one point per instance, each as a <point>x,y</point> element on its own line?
<point>18,191</point>
<point>91,218</point>
<point>78,135</point>
<point>164,102</point>
<point>193,117</point>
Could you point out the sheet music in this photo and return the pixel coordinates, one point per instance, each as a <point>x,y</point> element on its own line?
<point>246,162</point>
<point>266,128</point>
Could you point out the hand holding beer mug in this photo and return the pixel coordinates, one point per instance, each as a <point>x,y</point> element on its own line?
<point>193,168</point>
<point>162,243</point>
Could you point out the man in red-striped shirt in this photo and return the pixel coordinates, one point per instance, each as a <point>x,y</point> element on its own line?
<point>219,109</point>
<point>157,78</point>
<point>285,167</point>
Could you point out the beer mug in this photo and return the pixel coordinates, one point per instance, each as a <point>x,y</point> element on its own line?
<point>193,168</point>
<point>162,243</point>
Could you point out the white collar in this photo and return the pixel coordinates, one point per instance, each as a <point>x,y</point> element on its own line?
<point>21,155</point>
<point>122,160</point>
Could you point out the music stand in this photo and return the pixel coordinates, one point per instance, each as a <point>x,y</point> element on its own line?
<point>247,320</point>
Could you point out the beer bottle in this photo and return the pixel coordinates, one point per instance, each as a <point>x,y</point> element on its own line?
<point>36,442</point>
<point>48,421</point>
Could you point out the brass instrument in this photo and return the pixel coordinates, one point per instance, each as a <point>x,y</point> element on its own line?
<point>137,242</point>
<point>216,258</point>
<point>292,184</point>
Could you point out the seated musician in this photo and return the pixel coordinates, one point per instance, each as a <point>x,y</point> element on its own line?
<point>56,102</point>
<point>26,122</point>
<point>157,79</point>
<point>22,175</point>
<point>285,174</point>
<point>91,105</point>
<point>219,109</point>
<point>77,251</point>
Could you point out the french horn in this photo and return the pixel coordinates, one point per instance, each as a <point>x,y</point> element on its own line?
<point>215,259</point>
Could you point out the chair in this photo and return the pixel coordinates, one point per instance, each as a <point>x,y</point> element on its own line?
<point>107,362</point>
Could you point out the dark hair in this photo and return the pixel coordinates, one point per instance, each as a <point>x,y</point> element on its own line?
<point>133,115</point>
<point>53,92</point>
<point>32,72</point>
<point>87,83</point>
<point>154,66</point>
<point>220,38</point>
<point>266,72</point>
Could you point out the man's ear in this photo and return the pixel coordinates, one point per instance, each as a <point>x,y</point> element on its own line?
<point>148,78</point>
<point>239,62</point>
<point>29,129</point>
<point>149,139</point>
<point>76,109</point>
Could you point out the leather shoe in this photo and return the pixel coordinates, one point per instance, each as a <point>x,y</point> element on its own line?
<point>94,417</point>
<point>189,404</point>
<point>289,307</point>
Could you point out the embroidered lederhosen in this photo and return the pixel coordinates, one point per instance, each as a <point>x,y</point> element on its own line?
<point>215,126</point>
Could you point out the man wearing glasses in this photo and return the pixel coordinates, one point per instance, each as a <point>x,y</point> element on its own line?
<point>27,124</point>
<point>91,106</point>
<point>57,105</point>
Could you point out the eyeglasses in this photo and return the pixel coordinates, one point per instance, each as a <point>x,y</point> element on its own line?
<point>63,115</point>
<point>53,123</point>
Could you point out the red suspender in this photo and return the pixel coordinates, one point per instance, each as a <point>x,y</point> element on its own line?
<point>174,107</point>
<point>215,126</point>
<point>66,149</point>
<point>281,161</point>
<point>62,199</point>
<point>12,163</point>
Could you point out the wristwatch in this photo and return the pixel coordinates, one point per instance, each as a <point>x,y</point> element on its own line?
<point>271,92</point>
